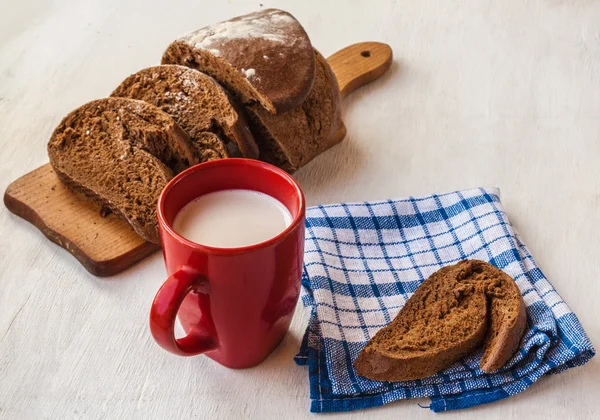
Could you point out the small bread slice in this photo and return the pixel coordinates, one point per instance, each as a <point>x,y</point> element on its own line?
<point>121,153</point>
<point>444,320</point>
<point>265,57</point>
<point>201,107</point>
<point>293,139</point>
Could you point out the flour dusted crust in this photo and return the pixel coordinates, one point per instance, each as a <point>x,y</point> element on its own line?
<point>293,139</point>
<point>452,313</point>
<point>263,57</point>
<point>213,120</point>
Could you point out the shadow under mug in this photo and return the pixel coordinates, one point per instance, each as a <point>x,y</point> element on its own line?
<point>234,304</point>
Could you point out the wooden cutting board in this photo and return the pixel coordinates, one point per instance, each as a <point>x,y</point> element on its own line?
<point>107,245</point>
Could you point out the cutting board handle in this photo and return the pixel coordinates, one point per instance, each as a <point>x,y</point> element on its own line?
<point>359,64</point>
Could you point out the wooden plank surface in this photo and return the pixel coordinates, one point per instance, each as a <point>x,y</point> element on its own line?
<point>107,245</point>
<point>104,245</point>
<point>481,93</point>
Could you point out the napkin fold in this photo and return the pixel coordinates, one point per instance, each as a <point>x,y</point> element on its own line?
<point>364,260</point>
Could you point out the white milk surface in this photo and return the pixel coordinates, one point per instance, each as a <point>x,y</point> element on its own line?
<point>232,218</point>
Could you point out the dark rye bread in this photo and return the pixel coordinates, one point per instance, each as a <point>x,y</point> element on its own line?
<point>121,153</point>
<point>293,139</point>
<point>452,313</point>
<point>265,57</point>
<point>200,106</point>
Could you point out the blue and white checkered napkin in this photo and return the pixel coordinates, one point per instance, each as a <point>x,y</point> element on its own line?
<point>363,261</point>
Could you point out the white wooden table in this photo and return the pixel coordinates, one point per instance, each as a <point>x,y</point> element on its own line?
<point>482,93</point>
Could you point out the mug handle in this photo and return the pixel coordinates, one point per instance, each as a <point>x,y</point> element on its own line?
<point>164,310</point>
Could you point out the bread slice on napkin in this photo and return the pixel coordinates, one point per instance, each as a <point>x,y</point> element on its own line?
<point>265,57</point>
<point>201,107</point>
<point>452,313</point>
<point>121,153</point>
<point>293,139</point>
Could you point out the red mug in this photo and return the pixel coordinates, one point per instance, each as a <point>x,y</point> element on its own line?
<point>234,304</point>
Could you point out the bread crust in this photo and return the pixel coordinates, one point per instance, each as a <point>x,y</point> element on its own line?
<point>264,56</point>
<point>293,139</point>
<point>508,341</point>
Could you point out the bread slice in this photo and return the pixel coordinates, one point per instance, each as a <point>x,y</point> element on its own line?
<point>291,140</point>
<point>215,124</point>
<point>444,320</point>
<point>121,153</point>
<point>265,57</point>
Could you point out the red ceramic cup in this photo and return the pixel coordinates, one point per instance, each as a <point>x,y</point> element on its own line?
<point>235,304</point>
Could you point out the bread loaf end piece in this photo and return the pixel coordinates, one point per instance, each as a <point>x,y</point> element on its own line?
<point>265,57</point>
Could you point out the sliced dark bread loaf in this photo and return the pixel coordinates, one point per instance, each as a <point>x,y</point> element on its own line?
<point>265,56</point>
<point>121,153</point>
<point>444,320</point>
<point>293,139</point>
<point>215,124</point>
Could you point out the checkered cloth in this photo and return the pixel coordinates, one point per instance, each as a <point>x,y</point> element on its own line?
<point>363,261</point>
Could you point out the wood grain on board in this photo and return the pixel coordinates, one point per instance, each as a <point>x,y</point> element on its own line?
<point>104,245</point>
<point>359,64</point>
<point>107,245</point>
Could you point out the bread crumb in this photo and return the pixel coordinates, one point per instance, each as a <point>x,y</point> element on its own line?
<point>188,82</point>
<point>249,73</point>
<point>87,132</point>
<point>181,96</point>
<point>266,57</point>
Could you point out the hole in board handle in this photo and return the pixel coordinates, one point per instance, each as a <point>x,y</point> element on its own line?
<point>366,53</point>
